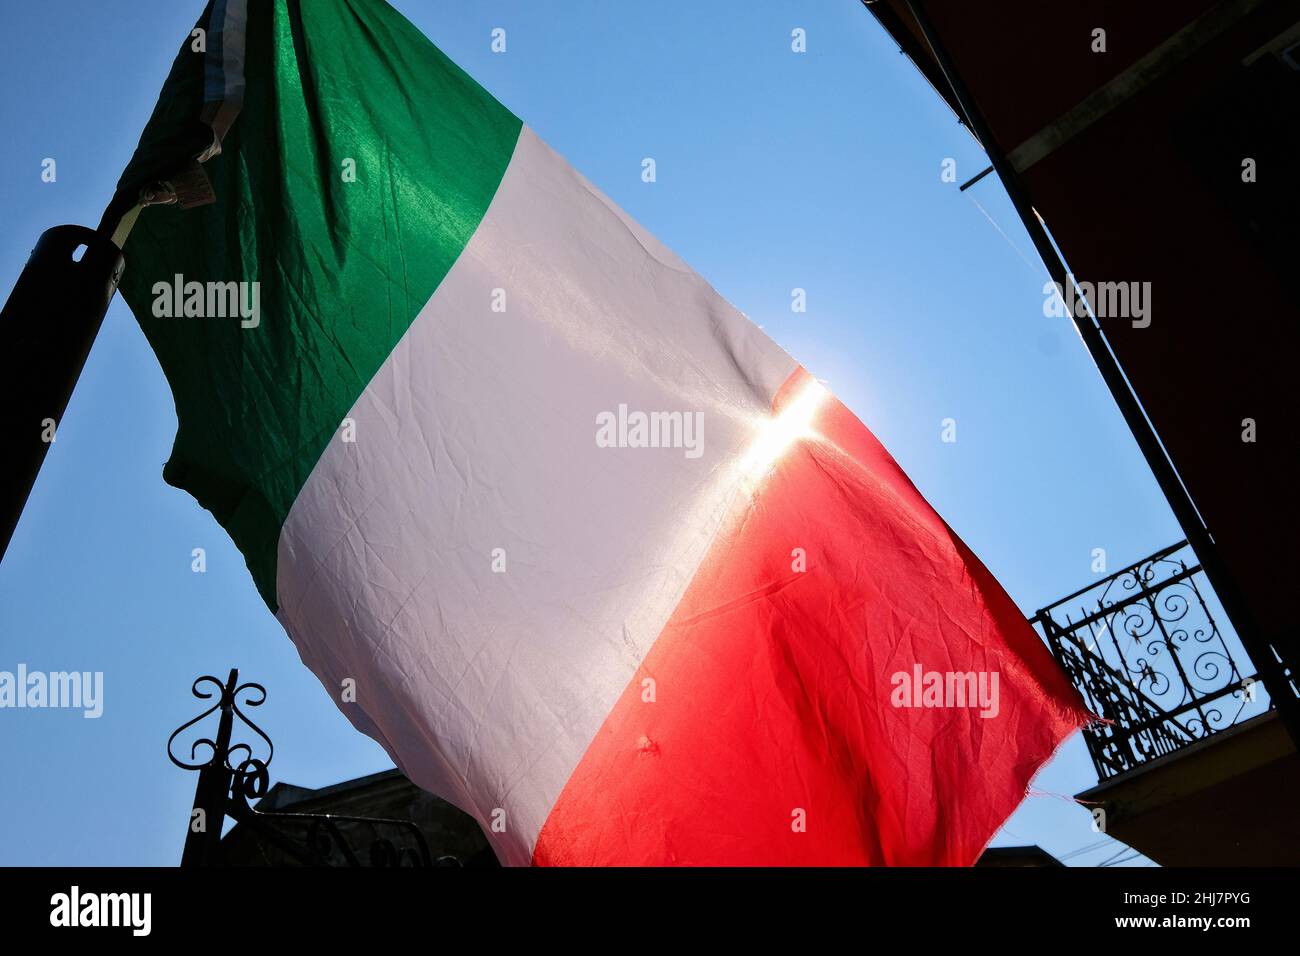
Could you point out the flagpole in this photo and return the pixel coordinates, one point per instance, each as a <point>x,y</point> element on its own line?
<point>51,321</point>
<point>56,308</point>
<point>49,324</point>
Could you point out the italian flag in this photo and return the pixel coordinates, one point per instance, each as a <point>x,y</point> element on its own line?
<point>578,544</point>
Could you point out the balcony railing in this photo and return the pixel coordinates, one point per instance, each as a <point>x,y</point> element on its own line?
<point>1146,652</point>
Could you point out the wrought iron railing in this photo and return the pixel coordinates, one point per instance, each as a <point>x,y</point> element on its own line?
<point>1145,650</point>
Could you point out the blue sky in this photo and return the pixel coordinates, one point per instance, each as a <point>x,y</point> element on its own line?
<point>775,170</point>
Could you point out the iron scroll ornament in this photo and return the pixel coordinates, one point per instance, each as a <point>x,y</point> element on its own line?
<point>231,776</point>
<point>227,695</point>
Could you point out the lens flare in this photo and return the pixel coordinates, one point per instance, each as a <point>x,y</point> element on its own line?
<point>775,437</point>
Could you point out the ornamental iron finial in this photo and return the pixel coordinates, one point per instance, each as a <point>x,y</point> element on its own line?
<point>232,775</point>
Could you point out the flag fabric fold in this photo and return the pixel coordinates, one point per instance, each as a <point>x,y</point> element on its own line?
<point>576,542</point>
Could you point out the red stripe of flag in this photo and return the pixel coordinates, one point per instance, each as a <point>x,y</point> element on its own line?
<point>769,733</point>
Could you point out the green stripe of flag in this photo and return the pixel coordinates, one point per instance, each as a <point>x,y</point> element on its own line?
<point>343,267</point>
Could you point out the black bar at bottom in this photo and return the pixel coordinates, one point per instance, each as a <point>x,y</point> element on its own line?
<point>1026,909</point>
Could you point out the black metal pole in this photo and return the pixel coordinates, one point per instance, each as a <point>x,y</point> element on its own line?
<point>48,325</point>
<point>1238,611</point>
<point>203,845</point>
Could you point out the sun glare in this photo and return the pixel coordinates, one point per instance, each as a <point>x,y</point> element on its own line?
<point>777,435</point>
